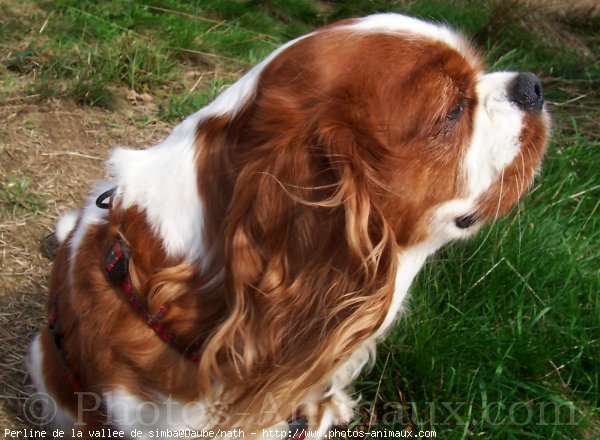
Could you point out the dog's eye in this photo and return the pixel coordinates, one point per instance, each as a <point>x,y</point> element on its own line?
<point>456,111</point>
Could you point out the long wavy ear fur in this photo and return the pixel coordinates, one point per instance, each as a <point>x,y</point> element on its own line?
<point>309,259</point>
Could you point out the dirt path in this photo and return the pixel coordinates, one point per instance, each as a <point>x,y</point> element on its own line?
<point>60,149</point>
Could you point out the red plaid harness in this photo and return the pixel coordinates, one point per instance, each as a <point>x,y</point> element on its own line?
<point>116,267</point>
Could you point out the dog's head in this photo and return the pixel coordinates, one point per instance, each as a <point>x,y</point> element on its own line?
<point>342,149</point>
<point>392,111</point>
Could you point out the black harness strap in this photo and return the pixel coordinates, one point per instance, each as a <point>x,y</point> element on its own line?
<point>58,338</point>
<point>100,201</point>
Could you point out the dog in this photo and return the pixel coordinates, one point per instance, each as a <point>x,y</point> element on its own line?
<point>239,274</point>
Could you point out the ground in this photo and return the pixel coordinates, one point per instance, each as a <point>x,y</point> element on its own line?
<point>59,148</point>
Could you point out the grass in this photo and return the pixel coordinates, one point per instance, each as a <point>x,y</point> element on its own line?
<point>87,51</point>
<point>17,197</point>
<point>505,332</point>
<point>502,334</point>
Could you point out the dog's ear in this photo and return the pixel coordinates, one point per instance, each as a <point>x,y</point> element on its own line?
<point>309,261</point>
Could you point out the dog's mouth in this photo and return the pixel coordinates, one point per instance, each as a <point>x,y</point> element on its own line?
<point>466,221</point>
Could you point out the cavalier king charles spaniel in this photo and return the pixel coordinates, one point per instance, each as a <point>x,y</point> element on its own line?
<point>239,274</point>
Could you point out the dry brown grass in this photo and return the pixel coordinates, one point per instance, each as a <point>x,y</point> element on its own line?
<point>579,7</point>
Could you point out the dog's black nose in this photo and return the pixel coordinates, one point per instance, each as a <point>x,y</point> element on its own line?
<point>526,91</point>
